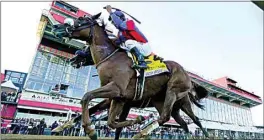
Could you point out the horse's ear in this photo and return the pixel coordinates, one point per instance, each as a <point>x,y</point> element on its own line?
<point>94,17</point>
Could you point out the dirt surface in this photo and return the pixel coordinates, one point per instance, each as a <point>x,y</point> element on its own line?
<point>42,137</point>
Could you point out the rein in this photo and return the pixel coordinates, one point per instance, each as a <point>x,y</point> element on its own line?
<point>106,58</point>
<point>81,27</point>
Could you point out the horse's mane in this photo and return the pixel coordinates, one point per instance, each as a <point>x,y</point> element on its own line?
<point>106,35</point>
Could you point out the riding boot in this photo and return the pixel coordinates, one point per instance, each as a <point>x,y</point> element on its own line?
<point>140,58</point>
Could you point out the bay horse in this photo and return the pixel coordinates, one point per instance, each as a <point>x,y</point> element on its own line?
<point>198,93</point>
<point>118,79</point>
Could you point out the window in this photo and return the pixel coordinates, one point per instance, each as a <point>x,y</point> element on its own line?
<point>245,116</point>
<point>72,79</point>
<point>8,73</point>
<point>15,74</point>
<point>66,7</point>
<point>30,85</point>
<point>38,86</point>
<point>52,71</point>
<point>250,118</point>
<point>235,115</point>
<point>20,82</point>
<point>14,80</point>
<point>225,112</point>
<point>213,110</point>
<point>23,75</point>
<point>240,116</point>
<point>216,111</point>
<point>7,78</point>
<point>37,61</point>
<point>78,93</point>
<point>230,114</point>
<point>46,88</point>
<point>206,111</point>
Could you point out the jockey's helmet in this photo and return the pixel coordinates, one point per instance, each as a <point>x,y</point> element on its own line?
<point>120,15</point>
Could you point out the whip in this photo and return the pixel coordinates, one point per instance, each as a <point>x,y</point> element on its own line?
<point>126,14</point>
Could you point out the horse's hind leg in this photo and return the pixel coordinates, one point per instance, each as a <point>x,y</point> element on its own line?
<point>177,117</point>
<point>178,86</point>
<point>186,107</point>
<point>122,117</point>
<point>115,110</point>
<point>172,95</point>
<point>175,114</point>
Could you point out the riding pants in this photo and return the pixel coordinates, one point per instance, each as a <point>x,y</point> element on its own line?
<point>144,48</point>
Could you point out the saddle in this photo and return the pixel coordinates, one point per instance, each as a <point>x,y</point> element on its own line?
<point>155,66</point>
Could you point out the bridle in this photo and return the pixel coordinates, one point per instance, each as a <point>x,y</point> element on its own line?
<point>89,23</point>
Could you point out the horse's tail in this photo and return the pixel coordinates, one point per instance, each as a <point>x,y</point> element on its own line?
<point>195,101</point>
<point>200,91</point>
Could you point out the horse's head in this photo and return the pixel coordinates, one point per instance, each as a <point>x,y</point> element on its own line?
<point>81,28</point>
<point>89,30</point>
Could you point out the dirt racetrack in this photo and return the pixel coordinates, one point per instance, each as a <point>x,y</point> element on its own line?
<point>43,137</point>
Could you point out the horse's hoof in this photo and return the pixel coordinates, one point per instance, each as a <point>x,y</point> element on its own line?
<point>206,134</point>
<point>92,135</point>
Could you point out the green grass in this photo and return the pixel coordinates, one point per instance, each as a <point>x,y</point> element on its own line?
<point>42,137</point>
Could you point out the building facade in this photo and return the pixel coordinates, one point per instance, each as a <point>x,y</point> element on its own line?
<point>11,87</point>
<point>227,109</point>
<point>18,78</point>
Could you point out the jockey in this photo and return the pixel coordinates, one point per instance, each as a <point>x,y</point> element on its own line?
<point>129,37</point>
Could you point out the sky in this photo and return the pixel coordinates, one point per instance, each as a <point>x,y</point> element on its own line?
<point>211,39</point>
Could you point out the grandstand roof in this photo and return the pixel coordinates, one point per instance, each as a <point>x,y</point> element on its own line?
<point>260,4</point>
<point>220,90</point>
<point>9,84</point>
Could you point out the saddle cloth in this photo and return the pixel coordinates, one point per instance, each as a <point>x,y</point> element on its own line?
<point>155,65</point>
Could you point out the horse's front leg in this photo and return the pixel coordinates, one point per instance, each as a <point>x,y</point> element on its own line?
<point>122,117</point>
<point>110,90</point>
<point>115,109</point>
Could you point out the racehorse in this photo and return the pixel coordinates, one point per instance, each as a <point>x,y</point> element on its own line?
<point>198,93</point>
<point>118,79</point>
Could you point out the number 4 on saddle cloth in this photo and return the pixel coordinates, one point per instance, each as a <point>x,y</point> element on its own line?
<point>155,66</point>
